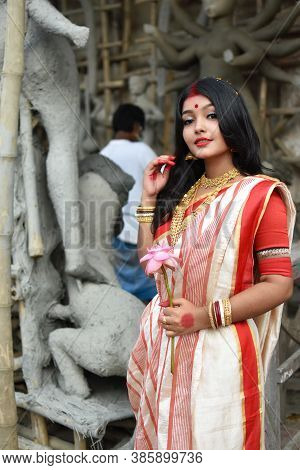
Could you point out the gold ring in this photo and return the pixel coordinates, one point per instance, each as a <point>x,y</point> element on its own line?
<point>164,321</point>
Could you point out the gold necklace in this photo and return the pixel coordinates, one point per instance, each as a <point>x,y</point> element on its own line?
<point>220,180</point>
<point>177,225</point>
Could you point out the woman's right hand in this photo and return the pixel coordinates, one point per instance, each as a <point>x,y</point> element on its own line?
<point>154,181</point>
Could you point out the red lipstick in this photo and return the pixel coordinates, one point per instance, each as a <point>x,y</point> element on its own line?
<point>202,141</point>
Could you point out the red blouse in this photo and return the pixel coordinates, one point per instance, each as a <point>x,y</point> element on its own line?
<point>273,233</point>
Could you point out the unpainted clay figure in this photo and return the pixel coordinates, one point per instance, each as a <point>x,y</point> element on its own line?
<point>138,95</point>
<point>51,84</point>
<point>223,50</point>
<point>105,317</point>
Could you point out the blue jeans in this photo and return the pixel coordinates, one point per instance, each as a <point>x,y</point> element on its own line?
<point>130,273</point>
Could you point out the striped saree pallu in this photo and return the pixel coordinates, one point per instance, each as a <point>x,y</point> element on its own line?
<point>215,398</point>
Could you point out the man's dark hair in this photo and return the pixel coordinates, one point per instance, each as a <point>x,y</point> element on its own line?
<point>126,116</point>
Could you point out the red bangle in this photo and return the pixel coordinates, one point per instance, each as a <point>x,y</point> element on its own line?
<point>218,313</point>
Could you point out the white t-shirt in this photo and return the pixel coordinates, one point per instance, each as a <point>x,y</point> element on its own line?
<point>132,157</point>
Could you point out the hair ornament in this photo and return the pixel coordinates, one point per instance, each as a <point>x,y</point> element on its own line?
<point>227,81</point>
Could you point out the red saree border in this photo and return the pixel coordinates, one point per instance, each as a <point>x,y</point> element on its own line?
<point>251,387</point>
<point>253,210</point>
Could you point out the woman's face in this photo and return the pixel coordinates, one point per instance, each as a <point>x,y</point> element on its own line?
<point>201,131</point>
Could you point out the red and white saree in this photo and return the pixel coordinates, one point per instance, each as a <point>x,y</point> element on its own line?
<point>215,399</point>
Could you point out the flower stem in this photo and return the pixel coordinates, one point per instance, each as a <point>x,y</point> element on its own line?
<point>171,305</point>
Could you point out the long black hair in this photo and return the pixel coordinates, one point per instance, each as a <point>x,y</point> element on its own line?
<point>237,130</point>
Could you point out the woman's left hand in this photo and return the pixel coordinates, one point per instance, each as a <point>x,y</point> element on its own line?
<point>184,317</point>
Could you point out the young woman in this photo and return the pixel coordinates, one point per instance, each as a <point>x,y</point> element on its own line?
<point>231,226</point>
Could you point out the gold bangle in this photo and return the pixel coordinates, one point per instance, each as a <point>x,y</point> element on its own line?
<point>144,215</point>
<point>227,311</point>
<point>210,314</point>
<point>144,212</point>
<point>144,219</point>
<point>145,208</point>
<point>148,213</point>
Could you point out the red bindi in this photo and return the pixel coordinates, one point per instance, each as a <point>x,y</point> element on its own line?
<point>196,106</point>
<point>187,320</point>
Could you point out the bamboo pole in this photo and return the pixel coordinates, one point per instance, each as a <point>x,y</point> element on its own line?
<point>263,93</point>
<point>152,87</point>
<point>106,66</point>
<point>27,444</point>
<point>286,111</point>
<point>139,2</point>
<point>109,45</point>
<point>124,56</point>
<point>39,427</point>
<point>13,69</point>
<point>35,241</point>
<point>126,35</point>
<point>54,442</point>
<point>79,441</point>
<point>259,6</point>
<point>64,7</point>
<point>168,124</point>
<point>113,85</point>
<point>142,71</point>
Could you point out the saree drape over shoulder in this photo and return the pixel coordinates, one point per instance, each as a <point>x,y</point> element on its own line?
<point>215,398</point>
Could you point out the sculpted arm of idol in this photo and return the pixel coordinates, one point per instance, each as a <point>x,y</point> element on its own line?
<point>251,54</point>
<point>175,59</point>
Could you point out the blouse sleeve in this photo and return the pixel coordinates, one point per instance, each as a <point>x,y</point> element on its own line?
<point>271,243</point>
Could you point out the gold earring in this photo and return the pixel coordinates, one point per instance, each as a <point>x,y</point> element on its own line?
<point>190,157</point>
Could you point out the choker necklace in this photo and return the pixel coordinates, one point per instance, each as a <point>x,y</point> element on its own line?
<point>177,225</point>
<point>220,180</point>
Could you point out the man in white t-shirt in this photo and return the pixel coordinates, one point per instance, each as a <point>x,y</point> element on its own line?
<point>132,155</point>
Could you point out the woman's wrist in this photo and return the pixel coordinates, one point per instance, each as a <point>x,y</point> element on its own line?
<point>149,201</point>
<point>203,322</point>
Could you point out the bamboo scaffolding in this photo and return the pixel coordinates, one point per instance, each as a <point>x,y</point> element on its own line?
<point>263,93</point>
<point>143,39</point>
<point>152,86</point>
<point>111,85</point>
<point>124,56</point>
<point>27,444</point>
<point>13,69</point>
<point>125,36</point>
<point>106,66</point>
<point>111,44</point>
<point>280,111</point>
<point>168,123</point>
<point>142,71</point>
<point>139,2</point>
<point>78,11</point>
<point>54,442</point>
<point>18,361</point>
<point>64,7</point>
<point>35,242</point>
<point>79,441</point>
<point>108,45</point>
<point>39,427</point>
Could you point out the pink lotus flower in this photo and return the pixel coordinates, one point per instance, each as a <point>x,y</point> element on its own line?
<point>162,257</point>
<point>158,256</point>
